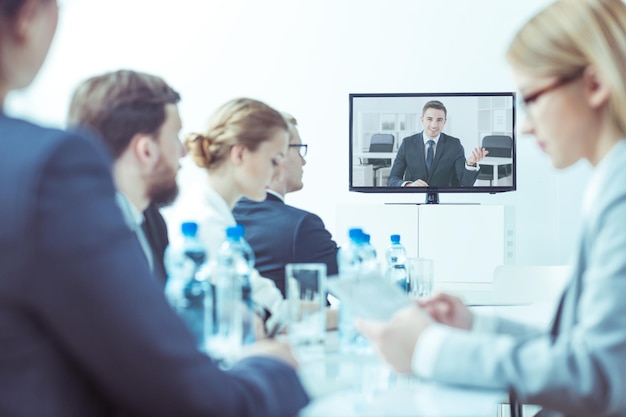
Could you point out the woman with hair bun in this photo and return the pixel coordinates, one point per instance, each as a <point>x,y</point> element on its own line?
<point>241,150</point>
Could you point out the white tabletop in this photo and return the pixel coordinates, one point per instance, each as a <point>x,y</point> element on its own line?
<point>381,155</point>
<point>496,160</point>
<point>360,384</point>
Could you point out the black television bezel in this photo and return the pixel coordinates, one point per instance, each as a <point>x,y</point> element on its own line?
<point>432,192</point>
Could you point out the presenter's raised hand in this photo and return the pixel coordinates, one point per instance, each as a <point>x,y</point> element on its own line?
<point>395,339</point>
<point>449,310</point>
<point>478,154</point>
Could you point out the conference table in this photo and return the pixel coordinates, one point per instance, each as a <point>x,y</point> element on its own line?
<point>375,155</point>
<point>495,162</point>
<point>360,384</point>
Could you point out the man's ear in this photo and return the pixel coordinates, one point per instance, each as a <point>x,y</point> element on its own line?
<point>597,88</point>
<point>145,149</point>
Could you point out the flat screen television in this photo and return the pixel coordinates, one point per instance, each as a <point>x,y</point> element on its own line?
<point>390,150</point>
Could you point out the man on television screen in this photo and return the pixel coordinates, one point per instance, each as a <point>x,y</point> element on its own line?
<point>432,158</point>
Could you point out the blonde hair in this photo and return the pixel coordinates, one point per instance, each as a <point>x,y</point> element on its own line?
<point>242,121</point>
<point>569,35</point>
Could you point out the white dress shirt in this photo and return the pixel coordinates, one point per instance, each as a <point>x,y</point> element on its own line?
<point>206,207</point>
<point>426,139</point>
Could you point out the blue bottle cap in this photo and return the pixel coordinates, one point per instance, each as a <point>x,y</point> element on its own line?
<point>234,232</point>
<point>355,233</point>
<point>395,238</point>
<point>189,229</point>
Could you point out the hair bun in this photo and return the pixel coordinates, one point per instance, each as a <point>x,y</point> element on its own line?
<point>198,145</point>
<point>192,137</point>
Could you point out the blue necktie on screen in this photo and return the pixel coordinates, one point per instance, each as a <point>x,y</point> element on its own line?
<point>429,154</point>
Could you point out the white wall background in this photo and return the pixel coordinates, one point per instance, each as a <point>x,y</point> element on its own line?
<point>305,57</point>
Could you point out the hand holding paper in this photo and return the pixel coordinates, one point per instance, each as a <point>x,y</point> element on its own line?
<point>395,339</point>
<point>370,297</point>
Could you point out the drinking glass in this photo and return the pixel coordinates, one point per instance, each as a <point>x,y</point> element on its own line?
<point>420,271</point>
<point>306,297</point>
<point>224,323</point>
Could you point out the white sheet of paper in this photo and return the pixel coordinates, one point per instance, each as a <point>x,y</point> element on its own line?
<point>371,297</point>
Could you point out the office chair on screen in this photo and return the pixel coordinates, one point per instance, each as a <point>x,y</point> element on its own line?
<point>380,142</point>
<point>498,146</point>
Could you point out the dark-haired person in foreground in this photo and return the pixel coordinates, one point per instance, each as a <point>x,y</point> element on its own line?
<point>568,63</point>
<point>433,159</point>
<point>85,331</point>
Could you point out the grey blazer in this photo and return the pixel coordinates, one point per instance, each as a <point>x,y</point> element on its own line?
<point>579,368</point>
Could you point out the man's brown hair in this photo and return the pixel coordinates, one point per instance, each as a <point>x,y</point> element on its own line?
<point>118,105</point>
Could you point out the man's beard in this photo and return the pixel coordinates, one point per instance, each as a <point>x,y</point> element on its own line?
<point>164,196</point>
<point>163,188</point>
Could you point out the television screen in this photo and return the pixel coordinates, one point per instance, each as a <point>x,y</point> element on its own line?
<point>430,143</point>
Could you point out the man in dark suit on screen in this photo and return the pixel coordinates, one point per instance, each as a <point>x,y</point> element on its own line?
<point>279,233</point>
<point>432,158</point>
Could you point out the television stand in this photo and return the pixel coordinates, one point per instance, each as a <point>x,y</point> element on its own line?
<point>466,241</point>
<point>432,198</point>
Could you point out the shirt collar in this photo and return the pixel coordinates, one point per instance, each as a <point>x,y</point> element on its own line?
<point>275,194</point>
<point>602,174</point>
<point>216,202</point>
<point>426,138</point>
<point>132,216</point>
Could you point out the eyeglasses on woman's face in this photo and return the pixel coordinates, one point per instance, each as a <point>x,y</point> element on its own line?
<point>528,100</point>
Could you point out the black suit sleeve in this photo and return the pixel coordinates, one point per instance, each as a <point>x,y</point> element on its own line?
<point>464,176</point>
<point>315,244</point>
<point>97,300</point>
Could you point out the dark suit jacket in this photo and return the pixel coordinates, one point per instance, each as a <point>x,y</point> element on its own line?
<point>84,329</point>
<point>155,229</point>
<point>447,169</point>
<point>280,234</point>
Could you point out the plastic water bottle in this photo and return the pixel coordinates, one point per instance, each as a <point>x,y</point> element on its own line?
<point>350,263</point>
<point>249,253</point>
<point>246,289</point>
<point>235,264</point>
<point>396,263</point>
<point>369,263</point>
<point>187,284</point>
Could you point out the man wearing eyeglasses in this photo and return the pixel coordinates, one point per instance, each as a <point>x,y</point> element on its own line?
<point>279,233</point>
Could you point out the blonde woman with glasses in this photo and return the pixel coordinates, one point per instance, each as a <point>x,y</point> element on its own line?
<point>569,63</point>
